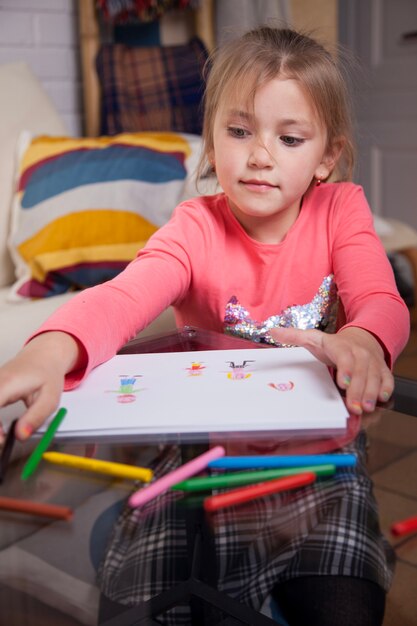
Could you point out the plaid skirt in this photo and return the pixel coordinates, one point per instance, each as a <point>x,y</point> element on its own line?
<point>328,528</point>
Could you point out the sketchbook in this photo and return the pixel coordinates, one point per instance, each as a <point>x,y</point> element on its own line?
<point>284,389</point>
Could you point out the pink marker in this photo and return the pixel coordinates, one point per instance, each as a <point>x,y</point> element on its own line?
<point>182,473</point>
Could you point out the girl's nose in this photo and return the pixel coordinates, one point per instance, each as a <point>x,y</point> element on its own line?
<point>259,155</point>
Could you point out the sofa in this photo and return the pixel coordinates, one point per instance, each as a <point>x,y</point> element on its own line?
<point>54,581</point>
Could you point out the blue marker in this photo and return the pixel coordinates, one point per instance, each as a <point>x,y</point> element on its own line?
<point>249,462</point>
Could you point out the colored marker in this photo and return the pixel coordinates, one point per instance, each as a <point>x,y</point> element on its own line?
<point>161,485</point>
<point>239,496</point>
<point>35,458</point>
<point>404,527</point>
<point>120,470</point>
<point>35,508</point>
<point>247,462</point>
<point>7,450</point>
<point>191,502</point>
<point>204,483</point>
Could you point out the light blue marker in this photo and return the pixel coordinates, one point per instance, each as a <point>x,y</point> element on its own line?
<point>252,462</point>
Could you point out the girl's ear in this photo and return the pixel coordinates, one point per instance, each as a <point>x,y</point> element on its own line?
<point>330,160</point>
<point>210,158</point>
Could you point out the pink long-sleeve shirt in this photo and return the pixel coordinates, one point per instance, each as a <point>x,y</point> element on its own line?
<point>218,278</point>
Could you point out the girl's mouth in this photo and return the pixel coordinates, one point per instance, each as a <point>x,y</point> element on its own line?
<point>259,186</point>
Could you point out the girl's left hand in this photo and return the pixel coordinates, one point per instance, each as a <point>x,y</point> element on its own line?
<point>357,357</point>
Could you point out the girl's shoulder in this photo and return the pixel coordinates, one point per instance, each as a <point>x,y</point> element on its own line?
<point>206,202</point>
<point>197,216</point>
<point>207,207</point>
<point>336,197</point>
<point>339,190</point>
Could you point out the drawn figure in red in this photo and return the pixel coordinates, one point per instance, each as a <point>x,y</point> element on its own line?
<point>238,372</point>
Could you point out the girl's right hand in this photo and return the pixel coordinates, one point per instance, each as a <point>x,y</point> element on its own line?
<point>36,376</point>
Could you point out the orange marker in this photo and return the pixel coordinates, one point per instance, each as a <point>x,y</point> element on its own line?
<point>238,496</point>
<point>36,508</point>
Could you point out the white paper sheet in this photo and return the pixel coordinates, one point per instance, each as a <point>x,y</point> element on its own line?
<point>283,389</point>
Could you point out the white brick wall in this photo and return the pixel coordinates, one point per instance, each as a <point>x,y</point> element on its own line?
<point>43,34</point>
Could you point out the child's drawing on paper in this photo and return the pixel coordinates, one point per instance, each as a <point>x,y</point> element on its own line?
<point>288,386</point>
<point>126,392</point>
<point>238,370</point>
<point>196,369</point>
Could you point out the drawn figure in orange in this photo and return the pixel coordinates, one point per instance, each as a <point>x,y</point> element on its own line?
<point>238,372</point>
<point>196,369</point>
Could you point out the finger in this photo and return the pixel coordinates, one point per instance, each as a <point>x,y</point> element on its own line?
<point>372,388</point>
<point>387,385</point>
<point>45,404</point>
<point>345,364</point>
<point>357,386</point>
<point>312,340</point>
<point>287,336</point>
<point>379,384</point>
<point>30,399</point>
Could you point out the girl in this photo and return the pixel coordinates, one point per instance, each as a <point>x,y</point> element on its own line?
<point>280,256</point>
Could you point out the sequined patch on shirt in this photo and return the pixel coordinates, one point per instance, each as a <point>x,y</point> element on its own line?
<point>320,313</point>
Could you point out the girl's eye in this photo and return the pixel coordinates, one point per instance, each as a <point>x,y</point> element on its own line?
<point>291,141</point>
<point>236,131</point>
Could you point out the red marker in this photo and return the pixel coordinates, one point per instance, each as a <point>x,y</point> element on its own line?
<point>404,527</point>
<point>238,496</point>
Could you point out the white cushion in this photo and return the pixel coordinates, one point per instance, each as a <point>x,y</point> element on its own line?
<point>24,106</point>
<point>18,321</point>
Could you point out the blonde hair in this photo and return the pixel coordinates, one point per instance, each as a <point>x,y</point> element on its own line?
<point>238,68</point>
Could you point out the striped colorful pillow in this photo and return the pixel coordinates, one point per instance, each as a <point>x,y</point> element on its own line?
<point>84,206</point>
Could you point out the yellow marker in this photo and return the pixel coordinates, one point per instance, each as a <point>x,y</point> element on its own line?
<point>120,470</point>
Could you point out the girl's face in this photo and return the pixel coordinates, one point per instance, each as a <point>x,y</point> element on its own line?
<point>266,158</point>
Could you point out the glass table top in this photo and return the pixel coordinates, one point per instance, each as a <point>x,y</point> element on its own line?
<point>170,561</point>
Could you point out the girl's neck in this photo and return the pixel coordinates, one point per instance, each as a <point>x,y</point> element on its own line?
<point>271,229</point>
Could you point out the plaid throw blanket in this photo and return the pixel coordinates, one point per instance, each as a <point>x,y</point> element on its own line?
<point>151,88</point>
<point>329,528</point>
<point>122,11</point>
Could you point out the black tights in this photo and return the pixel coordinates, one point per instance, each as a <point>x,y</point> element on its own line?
<point>331,601</point>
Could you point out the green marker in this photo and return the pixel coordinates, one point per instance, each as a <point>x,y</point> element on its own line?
<point>36,456</point>
<point>233,479</point>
